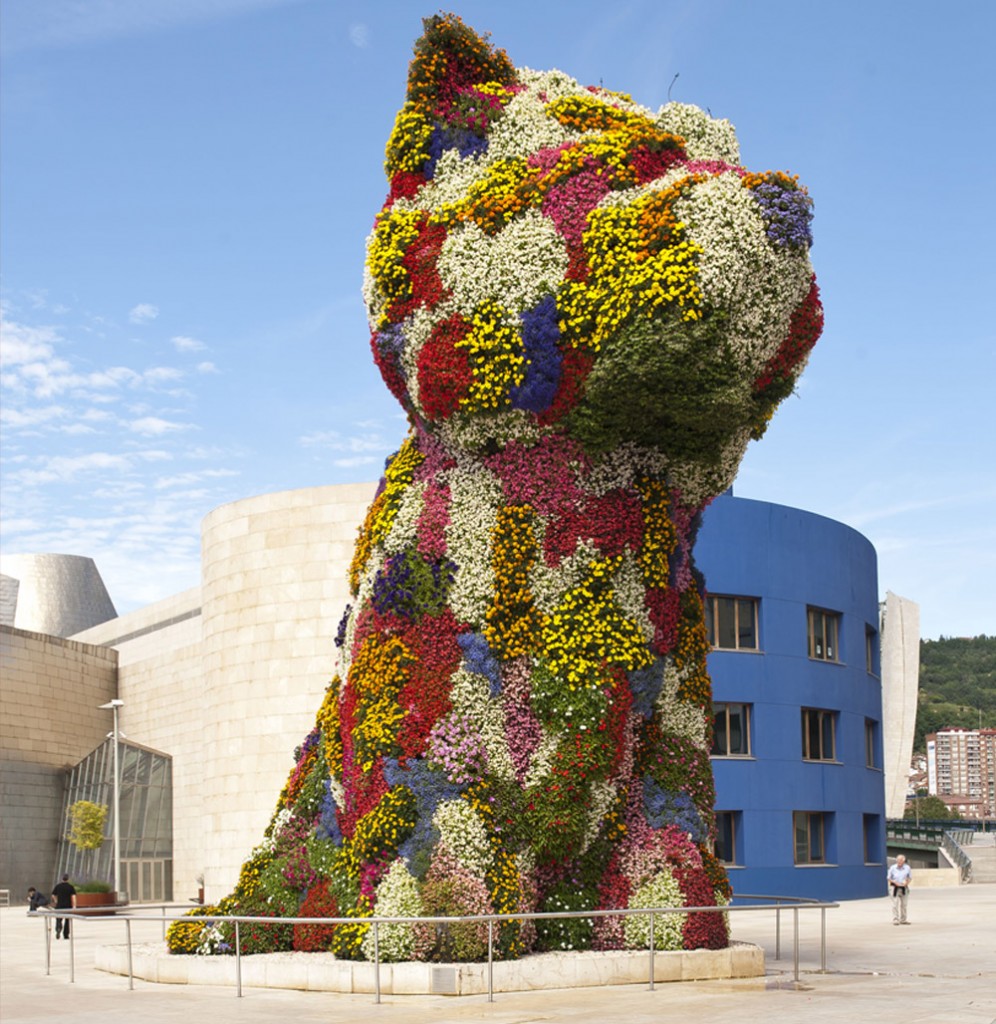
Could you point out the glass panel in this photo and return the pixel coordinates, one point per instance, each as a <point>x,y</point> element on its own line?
<point>831,635</point>
<point>719,730</point>
<point>738,732</point>
<point>813,735</point>
<point>747,624</point>
<point>826,746</point>
<point>128,758</point>
<point>725,611</point>
<point>816,621</point>
<point>801,837</point>
<point>816,838</point>
<point>143,768</point>
<point>710,623</point>
<point>725,837</point>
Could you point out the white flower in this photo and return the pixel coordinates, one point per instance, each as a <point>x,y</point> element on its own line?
<point>661,891</point>
<point>404,528</point>
<point>515,268</point>
<point>706,138</point>
<point>397,896</point>
<point>463,833</point>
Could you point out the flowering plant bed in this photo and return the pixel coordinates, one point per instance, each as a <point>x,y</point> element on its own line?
<point>587,309</point>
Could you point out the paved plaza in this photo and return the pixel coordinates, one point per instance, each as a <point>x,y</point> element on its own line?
<point>941,969</point>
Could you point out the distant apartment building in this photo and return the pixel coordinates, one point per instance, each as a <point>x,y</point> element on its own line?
<point>961,769</point>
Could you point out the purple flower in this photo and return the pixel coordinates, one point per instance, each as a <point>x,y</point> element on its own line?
<point>540,334</point>
<point>788,214</point>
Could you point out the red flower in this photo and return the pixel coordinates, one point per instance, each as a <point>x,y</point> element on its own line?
<point>444,371</point>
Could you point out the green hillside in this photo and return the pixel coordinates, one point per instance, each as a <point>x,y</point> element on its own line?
<point>957,681</point>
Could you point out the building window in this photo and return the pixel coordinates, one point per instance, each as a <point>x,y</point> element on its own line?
<point>732,622</point>
<point>824,628</point>
<point>730,730</point>
<point>818,735</point>
<point>872,839</point>
<point>810,837</point>
<point>871,735</point>
<point>871,651</point>
<point>727,836</point>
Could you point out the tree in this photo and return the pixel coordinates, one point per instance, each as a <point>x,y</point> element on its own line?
<point>930,808</point>
<point>86,824</point>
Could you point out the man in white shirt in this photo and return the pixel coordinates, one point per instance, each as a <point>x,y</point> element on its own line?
<point>899,883</point>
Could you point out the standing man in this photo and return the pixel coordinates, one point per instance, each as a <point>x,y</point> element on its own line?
<point>65,899</point>
<point>899,880</point>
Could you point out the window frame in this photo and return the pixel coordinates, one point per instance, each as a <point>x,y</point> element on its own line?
<point>871,661</point>
<point>735,820</point>
<point>870,830</point>
<point>712,620</point>
<point>871,744</point>
<point>816,637</point>
<point>811,817</point>
<point>746,732</point>
<point>825,715</point>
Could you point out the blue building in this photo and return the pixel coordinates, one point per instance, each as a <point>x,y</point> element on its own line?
<point>792,611</point>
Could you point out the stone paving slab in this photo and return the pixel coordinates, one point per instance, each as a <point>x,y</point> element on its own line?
<point>939,970</point>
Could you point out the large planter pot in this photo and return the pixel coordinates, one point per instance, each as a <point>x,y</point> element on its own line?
<point>91,902</point>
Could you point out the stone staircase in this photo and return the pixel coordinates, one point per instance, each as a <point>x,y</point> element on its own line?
<point>982,853</point>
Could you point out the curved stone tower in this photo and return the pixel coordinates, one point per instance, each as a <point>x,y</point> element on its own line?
<point>587,309</point>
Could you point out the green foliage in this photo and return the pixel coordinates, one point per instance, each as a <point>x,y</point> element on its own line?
<point>930,808</point>
<point>687,394</point>
<point>569,932</point>
<point>94,886</point>
<point>86,824</point>
<point>957,681</point>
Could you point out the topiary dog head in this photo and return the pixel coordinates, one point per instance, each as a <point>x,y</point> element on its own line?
<point>553,258</point>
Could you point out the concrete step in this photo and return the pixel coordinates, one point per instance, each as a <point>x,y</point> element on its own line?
<point>983,862</point>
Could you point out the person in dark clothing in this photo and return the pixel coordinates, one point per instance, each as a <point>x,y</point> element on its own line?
<point>36,899</point>
<point>65,898</point>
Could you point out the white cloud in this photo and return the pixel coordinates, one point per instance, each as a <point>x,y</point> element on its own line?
<point>184,344</point>
<point>143,313</point>
<point>162,374</point>
<point>207,367</point>
<point>186,479</point>
<point>334,441</point>
<point>60,23</point>
<point>21,344</point>
<point>32,417</point>
<point>67,467</point>
<point>356,460</point>
<point>359,35</point>
<point>154,426</point>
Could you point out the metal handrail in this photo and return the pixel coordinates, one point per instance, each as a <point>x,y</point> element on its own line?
<point>793,903</point>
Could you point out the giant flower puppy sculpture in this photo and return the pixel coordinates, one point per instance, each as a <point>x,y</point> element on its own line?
<point>587,310</point>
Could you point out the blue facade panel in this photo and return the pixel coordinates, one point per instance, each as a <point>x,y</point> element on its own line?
<point>791,561</point>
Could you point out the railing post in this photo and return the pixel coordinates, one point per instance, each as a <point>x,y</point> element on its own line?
<point>823,940</point>
<point>376,963</point>
<point>795,941</point>
<point>238,962</point>
<point>778,931</point>
<point>491,960</point>
<point>48,945</point>
<point>653,945</point>
<point>72,950</point>
<point>131,972</point>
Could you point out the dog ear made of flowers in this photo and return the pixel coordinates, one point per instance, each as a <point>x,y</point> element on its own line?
<point>587,309</point>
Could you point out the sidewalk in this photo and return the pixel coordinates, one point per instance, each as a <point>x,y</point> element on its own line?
<point>939,970</point>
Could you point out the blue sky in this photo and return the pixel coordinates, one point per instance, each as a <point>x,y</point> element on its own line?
<point>187,186</point>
